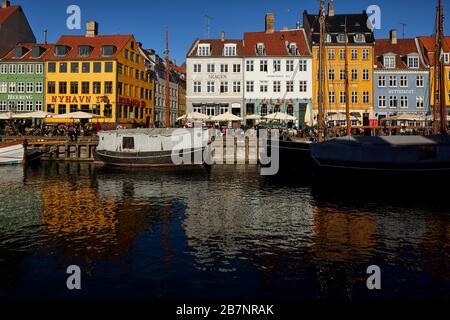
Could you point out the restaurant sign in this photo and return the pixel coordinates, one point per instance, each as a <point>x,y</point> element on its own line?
<point>19,97</point>
<point>79,99</point>
<point>131,102</point>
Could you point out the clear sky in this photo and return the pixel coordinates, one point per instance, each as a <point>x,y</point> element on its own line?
<point>148,19</point>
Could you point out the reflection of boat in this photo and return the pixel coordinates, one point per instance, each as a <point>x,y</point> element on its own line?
<point>152,148</point>
<point>12,153</point>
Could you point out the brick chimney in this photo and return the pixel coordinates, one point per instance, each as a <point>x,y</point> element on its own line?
<point>331,8</point>
<point>270,23</point>
<point>222,36</point>
<point>6,4</point>
<point>393,36</point>
<point>91,29</point>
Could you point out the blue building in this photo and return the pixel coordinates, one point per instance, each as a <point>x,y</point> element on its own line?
<point>401,78</point>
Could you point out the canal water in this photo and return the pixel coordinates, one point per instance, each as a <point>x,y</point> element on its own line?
<point>227,234</point>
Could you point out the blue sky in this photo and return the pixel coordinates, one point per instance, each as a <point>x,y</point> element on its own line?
<point>148,19</point>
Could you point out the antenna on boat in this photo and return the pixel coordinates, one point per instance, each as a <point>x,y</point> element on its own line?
<point>321,106</point>
<point>167,81</point>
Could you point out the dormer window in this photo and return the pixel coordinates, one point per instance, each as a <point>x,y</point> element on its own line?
<point>37,51</point>
<point>341,37</point>
<point>229,50</point>
<point>204,50</point>
<point>260,49</point>
<point>293,50</point>
<point>20,52</point>
<point>360,38</point>
<point>413,62</point>
<point>328,38</point>
<point>61,51</point>
<point>84,51</point>
<point>446,58</point>
<point>389,62</point>
<point>108,50</point>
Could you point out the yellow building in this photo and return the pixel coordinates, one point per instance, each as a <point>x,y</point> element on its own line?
<point>360,58</point>
<point>104,75</point>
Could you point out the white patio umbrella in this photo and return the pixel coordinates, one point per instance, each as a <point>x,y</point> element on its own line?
<point>226,117</point>
<point>309,116</point>
<point>253,117</point>
<point>192,116</point>
<point>77,116</point>
<point>6,116</point>
<point>279,116</point>
<point>34,115</point>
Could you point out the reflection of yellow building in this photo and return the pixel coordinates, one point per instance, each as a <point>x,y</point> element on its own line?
<point>104,75</point>
<point>360,54</point>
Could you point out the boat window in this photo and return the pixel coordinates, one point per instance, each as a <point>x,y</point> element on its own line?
<point>128,143</point>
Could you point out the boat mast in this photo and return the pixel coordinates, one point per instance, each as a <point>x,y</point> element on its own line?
<point>321,109</point>
<point>167,81</point>
<point>441,64</point>
<point>347,85</point>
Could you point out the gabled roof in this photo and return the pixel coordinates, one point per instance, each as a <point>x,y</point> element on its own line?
<point>276,44</point>
<point>427,44</point>
<point>217,46</point>
<point>5,13</point>
<point>401,50</point>
<point>28,57</point>
<point>96,43</point>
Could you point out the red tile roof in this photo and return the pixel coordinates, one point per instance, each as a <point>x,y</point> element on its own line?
<point>428,46</point>
<point>276,44</point>
<point>5,13</point>
<point>403,48</point>
<point>11,55</point>
<point>217,46</point>
<point>73,42</point>
<point>179,69</point>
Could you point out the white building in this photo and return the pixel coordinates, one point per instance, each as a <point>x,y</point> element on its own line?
<point>215,77</point>
<point>277,72</point>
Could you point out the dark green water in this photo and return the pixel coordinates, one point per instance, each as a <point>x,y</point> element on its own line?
<point>230,234</point>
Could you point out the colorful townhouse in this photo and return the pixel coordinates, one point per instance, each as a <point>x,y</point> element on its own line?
<point>401,81</point>
<point>277,72</point>
<point>14,27</point>
<point>341,29</point>
<point>101,74</point>
<point>181,74</point>
<point>427,47</point>
<point>22,78</point>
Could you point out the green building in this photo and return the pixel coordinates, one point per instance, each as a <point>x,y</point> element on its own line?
<point>22,78</point>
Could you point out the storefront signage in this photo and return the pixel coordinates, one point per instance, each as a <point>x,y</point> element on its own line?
<point>131,102</point>
<point>217,77</point>
<point>79,99</point>
<point>19,97</point>
<point>401,91</point>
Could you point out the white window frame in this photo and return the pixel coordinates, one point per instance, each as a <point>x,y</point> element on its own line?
<point>21,87</point>
<point>230,50</point>
<point>204,50</point>
<point>382,102</point>
<point>381,81</point>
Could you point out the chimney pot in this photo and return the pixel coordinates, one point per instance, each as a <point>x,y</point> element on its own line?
<point>222,36</point>
<point>91,29</point>
<point>270,23</point>
<point>393,36</point>
<point>331,8</point>
<point>5,4</point>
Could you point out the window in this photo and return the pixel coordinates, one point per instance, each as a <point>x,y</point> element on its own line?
<point>342,97</point>
<point>354,54</point>
<point>85,67</point>
<point>236,68</point>
<point>303,86</point>
<point>263,87</point>
<point>331,54</point>
<point>108,67</point>
<point>197,68</point>
<point>74,87</point>
<point>224,68</point>
<point>84,51</point>
<point>419,102</point>
<point>30,87</point>
<point>341,37</point>
<point>365,54</point>
<point>328,37</point>
<point>21,87</point>
<point>420,81</point>
<point>276,66</point>
<point>12,87</point>
<point>250,85</point>
<point>382,81</point>
<point>73,108</point>
<point>393,102</point>
<point>63,67</point>
<point>263,66</point>
<point>127,53</point>
<point>354,97</point>
<point>51,87</point>
<point>250,65</point>
<point>39,68</point>
<point>203,50</point>
<point>39,87</point>
<point>366,97</point>
<point>354,75</point>
<point>392,81</point>
<point>210,87</point>
<point>107,51</point>
<point>331,74</point>
<point>277,86</point>
<point>61,51</point>
<point>413,62</point>
<point>366,75</point>
<point>260,49</point>
<point>389,62</point>
<point>20,106</point>
<point>230,50</point>
<point>224,87</point>
<point>403,102</point>
<point>97,67</point>
<point>404,81</point>
<point>331,97</point>
<point>290,66</point>
<point>30,68</point>
<point>303,65</point>
<point>97,87</point>
<point>381,102</point>
<point>342,54</point>
<point>12,69</point>
<point>3,68</point>
<point>63,87</point>
<point>342,74</point>
<point>197,87</point>
<point>3,87</point>
<point>2,105</point>
<point>290,86</point>
<point>12,106</point>
<point>38,106</point>
<point>29,106</point>
<point>236,86</point>
<point>21,69</point>
<point>51,108</point>
<point>109,87</point>
<point>51,67</point>
<point>85,88</point>
<point>360,38</point>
